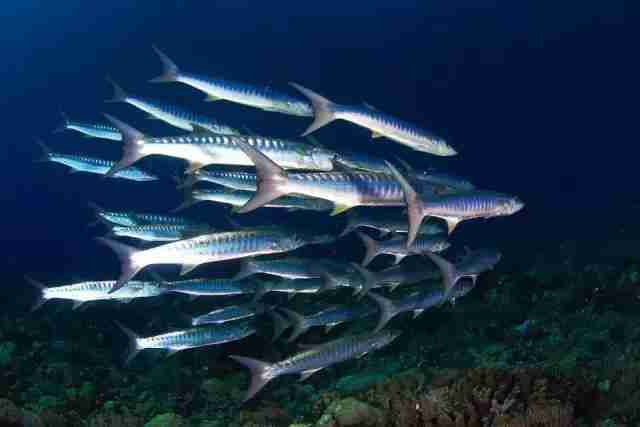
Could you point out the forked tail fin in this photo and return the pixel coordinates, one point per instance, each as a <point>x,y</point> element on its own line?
<point>323,109</point>
<point>260,374</point>
<point>415,210</point>
<point>133,142</point>
<point>170,70</point>
<point>128,267</point>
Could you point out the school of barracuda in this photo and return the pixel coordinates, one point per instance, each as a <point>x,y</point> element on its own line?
<point>390,197</point>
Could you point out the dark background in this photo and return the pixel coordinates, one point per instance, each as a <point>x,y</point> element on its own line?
<point>537,97</point>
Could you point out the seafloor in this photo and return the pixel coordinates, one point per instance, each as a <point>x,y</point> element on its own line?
<point>552,344</point>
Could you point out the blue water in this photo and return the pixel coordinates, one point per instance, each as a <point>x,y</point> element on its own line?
<point>535,96</point>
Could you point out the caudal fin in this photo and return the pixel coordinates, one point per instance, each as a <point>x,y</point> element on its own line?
<point>448,272</point>
<point>415,210</point>
<point>271,179</point>
<point>280,324</point>
<point>370,278</point>
<point>128,267</point>
<point>371,246</point>
<point>260,375</point>
<point>387,310</point>
<point>247,269</point>
<point>119,95</point>
<point>64,124</point>
<point>323,109</point>
<point>132,347</point>
<point>133,142</point>
<point>170,70</point>
<point>297,322</point>
<point>46,151</point>
<point>40,287</point>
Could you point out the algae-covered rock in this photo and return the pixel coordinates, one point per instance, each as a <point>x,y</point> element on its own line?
<point>214,389</point>
<point>350,412</point>
<point>10,415</point>
<point>167,420</point>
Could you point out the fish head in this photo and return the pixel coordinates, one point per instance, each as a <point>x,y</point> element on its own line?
<point>509,205</point>
<point>442,148</point>
<point>321,158</point>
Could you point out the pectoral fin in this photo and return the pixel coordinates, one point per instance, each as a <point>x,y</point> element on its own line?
<point>211,98</point>
<point>306,374</point>
<point>187,268</point>
<point>338,209</point>
<point>376,135</point>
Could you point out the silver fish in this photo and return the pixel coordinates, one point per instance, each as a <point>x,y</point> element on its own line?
<point>215,247</point>
<point>379,123</point>
<point>237,180</point>
<point>200,149</point>
<point>92,165</point>
<point>134,219</point>
<point>328,317</point>
<point>310,361</point>
<point>91,130</point>
<point>397,246</point>
<point>238,198</point>
<point>159,232</point>
<point>417,302</point>
<point>437,182</point>
<point>288,268</point>
<point>345,190</point>
<point>356,160</point>
<point>394,276</point>
<point>171,114</point>
<point>474,264</point>
<point>454,208</point>
<point>187,338</point>
<point>291,287</point>
<point>385,222</point>
<point>209,287</point>
<point>230,313</point>
<point>263,98</point>
<point>84,292</point>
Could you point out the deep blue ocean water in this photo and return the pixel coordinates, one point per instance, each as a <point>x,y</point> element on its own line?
<point>536,96</point>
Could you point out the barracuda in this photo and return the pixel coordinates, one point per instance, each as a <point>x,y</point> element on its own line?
<point>159,232</point>
<point>134,219</point>
<point>379,123</point>
<point>95,166</point>
<point>210,287</point>
<point>84,292</point>
<point>231,313</point>
<point>237,198</point>
<point>417,302</point>
<point>214,247</point>
<point>454,208</point>
<point>385,222</point>
<point>397,246</point>
<point>188,338</point>
<point>397,275</point>
<point>171,114</point>
<point>329,317</point>
<point>311,361</point>
<point>263,98</point>
<point>91,130</point>
<point>201,149</point>
<point>236,180</point>
<point>344,190</point>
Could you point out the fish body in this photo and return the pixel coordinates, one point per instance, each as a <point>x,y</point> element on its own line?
<point>385,222</point>
<point>208,248</point>
<point>171,114</point>
<point>344,190</point>
<point>208,287</point>
<point>379,123</point>
<point>200,149</point>
<point>287,268</point>
<point>474,264</point>
<point>397,246</point>
<point>90,291</point>
<point>293,286</point>
<point>160,232</point>
<point>360,161</point>
<point>236,180</point>
<point>200,336</point>
<point>454,208</point>
<point>451,183</point>
<point>417,302</point>
<point>310,361</point>
<point>79,163</point>
<point>396,275</point>
<point>92,130</point>
<point>134,219</point>
<point>239,198</point>
<point>230,313</point>
<point>263,98</point>
<point>329,317</point>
